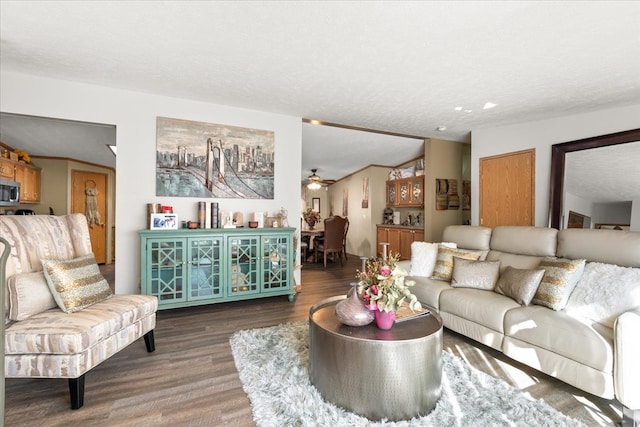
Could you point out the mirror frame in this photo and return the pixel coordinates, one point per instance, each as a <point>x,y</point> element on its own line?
<point>558,152</point>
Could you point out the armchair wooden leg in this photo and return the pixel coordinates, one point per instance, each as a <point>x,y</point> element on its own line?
<point>149,341</point>
<point>76,391</point>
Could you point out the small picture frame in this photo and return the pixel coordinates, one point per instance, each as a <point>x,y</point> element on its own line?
<point>164,222</point>
<point>315,204</point>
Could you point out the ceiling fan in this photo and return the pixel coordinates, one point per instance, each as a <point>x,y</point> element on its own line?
<point>315,182</point>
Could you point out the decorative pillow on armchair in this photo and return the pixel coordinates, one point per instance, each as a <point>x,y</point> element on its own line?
<point>444,261</point>
<point>560,277</point>
<point>29,294</point>
<point>474,274</point>
<point>76,283</point>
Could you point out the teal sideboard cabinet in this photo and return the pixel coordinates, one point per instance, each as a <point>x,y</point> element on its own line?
<point>204,266</point>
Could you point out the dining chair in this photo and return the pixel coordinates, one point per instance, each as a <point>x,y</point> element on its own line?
<point>344,239</point>
<point>333,242</point>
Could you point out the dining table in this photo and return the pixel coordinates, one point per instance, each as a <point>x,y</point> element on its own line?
<point>312,233</point>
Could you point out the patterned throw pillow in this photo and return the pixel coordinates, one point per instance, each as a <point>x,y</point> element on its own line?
<point>474,274</point>
<point>560,277</point>
<point>519,284</point>
<point>76,283</point>
<point>444,261</point>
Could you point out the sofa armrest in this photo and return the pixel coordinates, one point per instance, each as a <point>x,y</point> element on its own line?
<point>405,265</point>
<point>626,369</point>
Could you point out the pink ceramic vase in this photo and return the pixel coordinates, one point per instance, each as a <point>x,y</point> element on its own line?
<point>385,319</point>
<point>351,311</point>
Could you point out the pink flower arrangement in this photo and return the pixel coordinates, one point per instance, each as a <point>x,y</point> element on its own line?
<point>382,286</point>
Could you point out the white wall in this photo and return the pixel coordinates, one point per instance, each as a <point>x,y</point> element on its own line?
<point>611,213</point>
<point>134,115</point>
<point>541,135</point>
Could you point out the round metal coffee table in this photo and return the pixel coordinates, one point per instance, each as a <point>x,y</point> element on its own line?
<point>394,374</point>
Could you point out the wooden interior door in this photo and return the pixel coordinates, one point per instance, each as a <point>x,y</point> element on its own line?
<point>507,189</point>
<point>80,182</point>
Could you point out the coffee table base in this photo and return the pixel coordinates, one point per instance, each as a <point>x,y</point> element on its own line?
<point>379,377</point>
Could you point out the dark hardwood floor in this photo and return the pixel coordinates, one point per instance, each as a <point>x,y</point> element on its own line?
<point>191,379</point>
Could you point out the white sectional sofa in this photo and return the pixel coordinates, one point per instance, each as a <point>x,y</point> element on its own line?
<point>592,342</point>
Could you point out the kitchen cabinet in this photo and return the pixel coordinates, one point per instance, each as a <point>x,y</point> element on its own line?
<point>29,178</point>
<point>399,239</point>
<point>205,266</point>
<point>405,192</point>
<point>7,169</point>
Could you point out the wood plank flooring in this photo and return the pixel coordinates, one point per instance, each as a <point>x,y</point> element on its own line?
<point>191,379</point>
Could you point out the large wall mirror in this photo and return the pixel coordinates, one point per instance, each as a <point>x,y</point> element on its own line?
<point>613,161</point>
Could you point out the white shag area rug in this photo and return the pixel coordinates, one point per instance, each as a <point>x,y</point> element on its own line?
<point>273,364</point>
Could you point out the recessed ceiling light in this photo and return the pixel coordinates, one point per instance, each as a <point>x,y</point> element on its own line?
<point>468,111</point>
<point>458,108</point>
<point>488,105</point>
<point>441,128</point>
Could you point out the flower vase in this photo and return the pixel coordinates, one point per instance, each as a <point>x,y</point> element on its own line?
<point>385,319</point>
<point>311,223</point>
<point>352,311</point>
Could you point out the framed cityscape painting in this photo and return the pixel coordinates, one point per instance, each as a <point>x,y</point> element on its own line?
<point>205,160</point>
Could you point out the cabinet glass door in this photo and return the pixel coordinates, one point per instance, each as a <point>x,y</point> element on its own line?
<point>391,194</point>
<point>166,264</point>
<point>275,263</point>
<point>206,269</point>
<point>416,192</point>
<point>243,265</point>
<point>403,193</point>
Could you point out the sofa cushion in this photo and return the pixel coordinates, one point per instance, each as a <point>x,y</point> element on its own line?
<point>474,274</point>
<point>567,336</point>
<point>444,261</point>
<point>606,246</point>
<point>482,307</point>
<point>75,283</point>
<point>474,237</point>
<point>506,259</point>
<point>423,257</point>
<point>428,290</point>
<point>604,292</point>
<point>55,332</point>
<point>28,295</point>
<point>519,284</point>
<point>534,241</point>
<point>560,277</point>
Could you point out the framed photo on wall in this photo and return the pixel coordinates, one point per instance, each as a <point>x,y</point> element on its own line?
<point>315,204</point>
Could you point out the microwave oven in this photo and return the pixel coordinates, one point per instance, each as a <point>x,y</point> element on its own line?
<point>9,193</point>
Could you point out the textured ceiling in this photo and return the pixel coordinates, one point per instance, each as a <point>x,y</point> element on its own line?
<point>394,66</point>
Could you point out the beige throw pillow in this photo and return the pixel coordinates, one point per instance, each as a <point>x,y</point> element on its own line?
<point>519,284</point>
<point>29,294</point>
<point>75,283</point>
<point>444,261</point>
<point>560,277</point>
<point>474,274</point>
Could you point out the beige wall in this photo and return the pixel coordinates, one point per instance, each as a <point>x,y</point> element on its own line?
<point>443,159</point>
<point>56,191</point>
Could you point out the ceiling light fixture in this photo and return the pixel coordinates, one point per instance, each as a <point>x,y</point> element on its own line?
<point>458,108</point>
<point>488,105</point>
<point>314,181</point>
<point>441,128</point>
